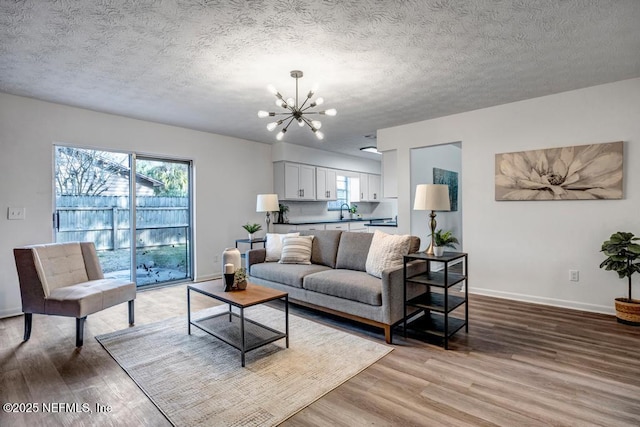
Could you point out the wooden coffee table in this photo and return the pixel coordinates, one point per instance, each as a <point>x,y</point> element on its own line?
<point>232,328</point>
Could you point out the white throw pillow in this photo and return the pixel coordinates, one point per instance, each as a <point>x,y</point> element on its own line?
<point>386,250</point>
<point>296,250</point>
<point>274,245</point>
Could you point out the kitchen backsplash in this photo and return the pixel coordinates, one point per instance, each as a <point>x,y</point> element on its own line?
<point>312,211</point>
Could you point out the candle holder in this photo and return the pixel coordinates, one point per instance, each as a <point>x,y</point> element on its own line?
<point>228,281</point>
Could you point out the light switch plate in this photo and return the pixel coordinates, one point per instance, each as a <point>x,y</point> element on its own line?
<point>16,213</point>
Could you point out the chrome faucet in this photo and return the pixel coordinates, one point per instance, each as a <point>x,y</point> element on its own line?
<point>344,204</point>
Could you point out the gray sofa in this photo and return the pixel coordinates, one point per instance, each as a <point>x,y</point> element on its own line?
<point>336,281</point>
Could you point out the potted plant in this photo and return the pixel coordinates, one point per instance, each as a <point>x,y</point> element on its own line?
<point>240,279</point>
<point>353,210</point>
<point>282,214</point>
<point>252,228</point>
<point>623,257</point>
<point>441,240</point>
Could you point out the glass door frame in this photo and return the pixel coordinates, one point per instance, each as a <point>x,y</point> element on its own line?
<point>133,156</point>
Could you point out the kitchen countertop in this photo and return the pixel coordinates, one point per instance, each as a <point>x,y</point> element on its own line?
<point>332,221</point>
<point>382,224</point>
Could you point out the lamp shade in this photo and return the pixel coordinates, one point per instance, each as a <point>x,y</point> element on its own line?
<point>267,203</point>
<point>432,197</point>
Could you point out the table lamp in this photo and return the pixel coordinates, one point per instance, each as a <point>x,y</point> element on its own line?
<point>267,203</point>
<point>432,197</point>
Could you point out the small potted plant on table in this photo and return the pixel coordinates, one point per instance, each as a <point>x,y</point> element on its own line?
<point>441,240</point>
<point>623,257</point>
<point>252,228</point>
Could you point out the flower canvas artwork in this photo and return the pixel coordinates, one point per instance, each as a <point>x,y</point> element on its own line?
<point>580,172</point>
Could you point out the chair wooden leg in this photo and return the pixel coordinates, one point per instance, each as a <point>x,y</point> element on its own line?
<point>131,313</point>
<point>80,330</point>
<point>28,319</point>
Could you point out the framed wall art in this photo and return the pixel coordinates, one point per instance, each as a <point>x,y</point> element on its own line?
<point>580,172</point>
<point>450,178</point>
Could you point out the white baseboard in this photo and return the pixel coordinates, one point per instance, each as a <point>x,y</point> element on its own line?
<point>10,312</point>
<point>574,305</point>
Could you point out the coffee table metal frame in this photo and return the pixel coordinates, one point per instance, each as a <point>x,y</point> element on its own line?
<point>215,291</point>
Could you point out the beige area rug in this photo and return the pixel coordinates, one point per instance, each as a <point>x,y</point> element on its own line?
<point>197,380</point>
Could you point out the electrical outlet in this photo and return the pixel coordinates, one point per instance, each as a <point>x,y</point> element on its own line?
<point>574,275</point>
<point>16,213</point>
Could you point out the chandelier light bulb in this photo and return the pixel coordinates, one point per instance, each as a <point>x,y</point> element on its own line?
<point>271,126</point>
<point>280,134</point>
<point>291,102</point>
<point>280,103</point>
<point>319,101</point>
<point>272,89</point>
<point>319,135</point>
<point>316,124</point>
<point>331,112</point>
<point>262,114</point>
<point>300,122</point>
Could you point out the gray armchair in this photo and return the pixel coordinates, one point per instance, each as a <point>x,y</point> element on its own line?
<point>65,279</point>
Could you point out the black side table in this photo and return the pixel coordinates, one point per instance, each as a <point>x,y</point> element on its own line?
<point>436,303</point>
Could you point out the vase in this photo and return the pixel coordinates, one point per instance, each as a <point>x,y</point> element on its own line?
<point>438,250</point>
<point>231,256</point>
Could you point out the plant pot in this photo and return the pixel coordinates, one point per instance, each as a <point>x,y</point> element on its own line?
<point>438,250</point>
<point>628,311</point>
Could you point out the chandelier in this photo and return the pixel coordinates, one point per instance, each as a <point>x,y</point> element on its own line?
<point>295,111</point>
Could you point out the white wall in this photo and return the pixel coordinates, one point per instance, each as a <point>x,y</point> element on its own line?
<point>524,250</point>
<point>229,173</point>
<point>423,160</point>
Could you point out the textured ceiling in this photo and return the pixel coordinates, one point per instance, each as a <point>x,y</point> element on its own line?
<point>205,64</point>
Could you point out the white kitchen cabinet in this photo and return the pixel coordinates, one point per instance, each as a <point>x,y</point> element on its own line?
<point>310,227</point>
<point>294,181</point>
<point>326,184</point>
<point>365,188</point>
<point>358,227</point>
<point>373,188</point>
<point>344,226</point>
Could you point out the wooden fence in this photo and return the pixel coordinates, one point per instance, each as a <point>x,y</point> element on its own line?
<point>105,220</point>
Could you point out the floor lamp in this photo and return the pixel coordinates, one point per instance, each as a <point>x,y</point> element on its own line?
<point>432,197</point>
<point>267,203</point>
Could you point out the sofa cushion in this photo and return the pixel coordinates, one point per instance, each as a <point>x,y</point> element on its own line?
<point>387,250</point>
<point>287,274</point>
<point>353,250</point>
<point>348,284</point>
<point>296,250</point>
<point>274,245</point>
<point>325,246</point>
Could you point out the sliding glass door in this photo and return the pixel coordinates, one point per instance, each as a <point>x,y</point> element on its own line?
<point>163,221</point>
<point>107,197</point>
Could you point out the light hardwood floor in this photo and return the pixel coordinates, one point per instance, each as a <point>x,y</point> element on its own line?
<point>519,365</point>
